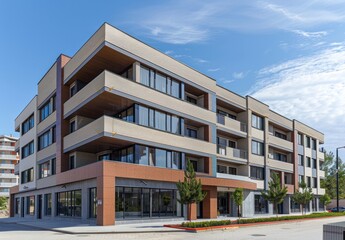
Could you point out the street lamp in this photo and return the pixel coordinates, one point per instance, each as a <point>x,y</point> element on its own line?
<point>337,166</point>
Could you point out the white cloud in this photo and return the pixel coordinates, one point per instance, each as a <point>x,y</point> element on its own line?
<point>213,69</point>
<point>238,75</point>
<point>310,34</point>
<point>310,89</point>
<point>169,52</point>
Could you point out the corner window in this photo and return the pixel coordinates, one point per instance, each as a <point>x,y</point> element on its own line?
<point>28,124</point>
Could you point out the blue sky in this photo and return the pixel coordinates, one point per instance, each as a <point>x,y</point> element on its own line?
<point>289,54</point>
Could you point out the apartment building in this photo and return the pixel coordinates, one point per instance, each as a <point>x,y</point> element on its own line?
<point>111,129</point>
<point>8,160</point>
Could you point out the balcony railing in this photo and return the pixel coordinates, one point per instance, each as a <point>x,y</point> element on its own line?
<point>231,123</point>
<point>231,152</point>
<point>6,166</point>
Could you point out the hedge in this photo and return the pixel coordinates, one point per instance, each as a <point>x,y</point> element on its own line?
<point>258,220</point>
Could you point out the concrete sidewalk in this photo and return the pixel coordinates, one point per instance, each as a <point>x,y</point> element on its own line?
<point>75,226</point>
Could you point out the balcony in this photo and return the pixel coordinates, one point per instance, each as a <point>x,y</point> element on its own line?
<point>6,148</point>
<point>7,185</point>
<point>279,165</point>
<point>8,157</point>
<point>232,154</point>
<point>4,194</point>
<point>280,143</point>
<point>16,169</point>
<point>321,191</point>
<point>7,175</point>
<point>107,129</point>
<point>6,166</point>
<point>231,125</point>
<point>321,156</point>
<point>108,88</point>
<point>235,177</point>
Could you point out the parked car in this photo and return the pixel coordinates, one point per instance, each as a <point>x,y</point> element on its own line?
<point>341,209</point>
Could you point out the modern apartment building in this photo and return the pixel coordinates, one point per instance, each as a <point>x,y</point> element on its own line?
<point>109,133</point>
<point>8,160</point>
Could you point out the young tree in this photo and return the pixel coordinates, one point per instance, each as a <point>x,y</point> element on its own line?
<point>3,203</point>
<point>275,193</point>
<point>325,200</point>
<point>238,198</point>
<point>303,196</point>
<point>190,189</point>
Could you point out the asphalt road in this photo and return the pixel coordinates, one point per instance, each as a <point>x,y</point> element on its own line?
<point>305,230</point>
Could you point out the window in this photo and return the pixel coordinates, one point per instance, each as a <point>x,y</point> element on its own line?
<point>257,122</point>
<point>93,203</point>
<point>28,124</point>
<point>313,144</point>
<point>103,157</point>
<point>192,133</point>
<point>161,158</point>
<point>46,139</point>
<point>232,144</point>
<point>300,178</point>
<point>257,173</point>
<point>223,113</point>
<point>69,203</point>
<point>44,170</point>
<point>222,169</point>
<point>308,161</point>
<point>53,169</point>
<point>28,149</point>
<point>309,182</point>
<point>128,73</point>
<point>232,171</point>
<point>72,126</point>
<point>17,206</point>
<point>48,204</point>
<point>314,182</point>
<point>321,165</point>
<point>47,109</point>
<point>257,148</point>
<point>261,205</point>
<point>27,176</point>
<point>300,139</point>
<point>72,162</point>
<point>300,160</point>
<point>192,100</point>
<point>280,135</point>
<point>194,164</point>
<point>280,157</point>
<point>73,90</point>
<point>314,163</point>
<point>30,205</point>
<point>308,141</point>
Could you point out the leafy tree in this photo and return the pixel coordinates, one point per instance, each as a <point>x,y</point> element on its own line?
<point>190,189</point>
<point>3,203</point>
<point>238,198</point>
<point>275,193</point>
<point>325,200</point>
<point>303,196</point>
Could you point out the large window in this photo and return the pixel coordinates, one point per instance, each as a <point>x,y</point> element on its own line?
<point>280,135</point>
<point>300,139</point>
<point>27,176</point>
<point>313,144</point>
<point>28,124</point>
<point>261,205</point>
<point>280,157</point>
<point>30,205</point>
<point>314,182</point>
<point>44,170</point>
<point>161,82</point>
<point>144,202</point>
<point>47,109</point>
<point>191,133</point>
<point>48,204</point>
<point>28,149</point>
<point>93,202</point>
<point>69,203</point>
<point>314,163</point>
<point>307,139</point>
<point>144,155</point>
<point>46,139</point>
<point>257,148</point>
<point>308,162</point>
<point>300,160</point>
<point>309,182</point>
<point>257,173</point>
<point>257,122</point>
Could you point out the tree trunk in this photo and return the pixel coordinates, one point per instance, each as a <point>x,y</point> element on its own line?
<point>238,214</point>
<point>276,209</point>
<point>189,212</point>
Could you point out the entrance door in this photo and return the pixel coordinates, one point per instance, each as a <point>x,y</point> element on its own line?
<point>223,203</point>
<point>39,206</point>
<point>22,209</point>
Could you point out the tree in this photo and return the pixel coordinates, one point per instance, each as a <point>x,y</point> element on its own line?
<point>303,196</point>
<point>275,193</point>
<point>190,189</point>
<point>238,198</point>
<point>325,200</point>
<point>3,203</point>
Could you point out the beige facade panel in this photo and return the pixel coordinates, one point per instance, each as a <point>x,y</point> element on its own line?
<point>280,143</point>
<point>27,111</point>
<point>85,51</point>
<point>46,123</point>
<point>321,174</point>
<point>108,81</point>
<point>258,134</point>
<point>280,120</point>
<point>233,126</point>
<point>260,184</point>
<point>116,128</point>
<point>46,152</point>
<point>258,107</point>
<point>233,155</point>
<point>230,97</point>
<point>46,182</point>
<point>309,131</point>
<point>279,165</point>
<point>47,85</point>
<point>256,159</point>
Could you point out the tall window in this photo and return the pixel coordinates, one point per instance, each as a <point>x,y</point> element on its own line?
<point>93,202</point>
<point>48,204</point>
<point>308,161</point>
<point>30,205</point>
<point>27,176</point>
<point>300,178</point>
<point>69,203</point>
<point>28,124</point>
<point>314,182</point>
<point>309,182</point>
<point>313,143</point>
<point>257,148</point>
<point>314,163</point>
<point>28,149</point>
<point>44,170</point>
<point>300,139</point>
<point>257,173</point>
<point>47,109</point>
<point>307,142</point>
<point>257,122</point>
<point>300,160</point>
<point>46,139</point>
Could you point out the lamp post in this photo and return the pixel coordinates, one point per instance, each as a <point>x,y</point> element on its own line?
<point>337,167</point>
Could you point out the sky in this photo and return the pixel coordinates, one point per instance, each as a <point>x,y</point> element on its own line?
<point>288,54</point>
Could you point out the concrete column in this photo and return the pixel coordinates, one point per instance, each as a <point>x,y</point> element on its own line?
<point>210,203</point>
<point>106,200</point>
<point>136,72</point>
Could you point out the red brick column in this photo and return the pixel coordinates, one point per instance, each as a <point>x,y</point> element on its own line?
<point>209,206</point>
<point>192,212</point>
<point>106,200</point>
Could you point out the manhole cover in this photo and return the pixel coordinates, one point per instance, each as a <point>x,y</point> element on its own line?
<point>258,235</point>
